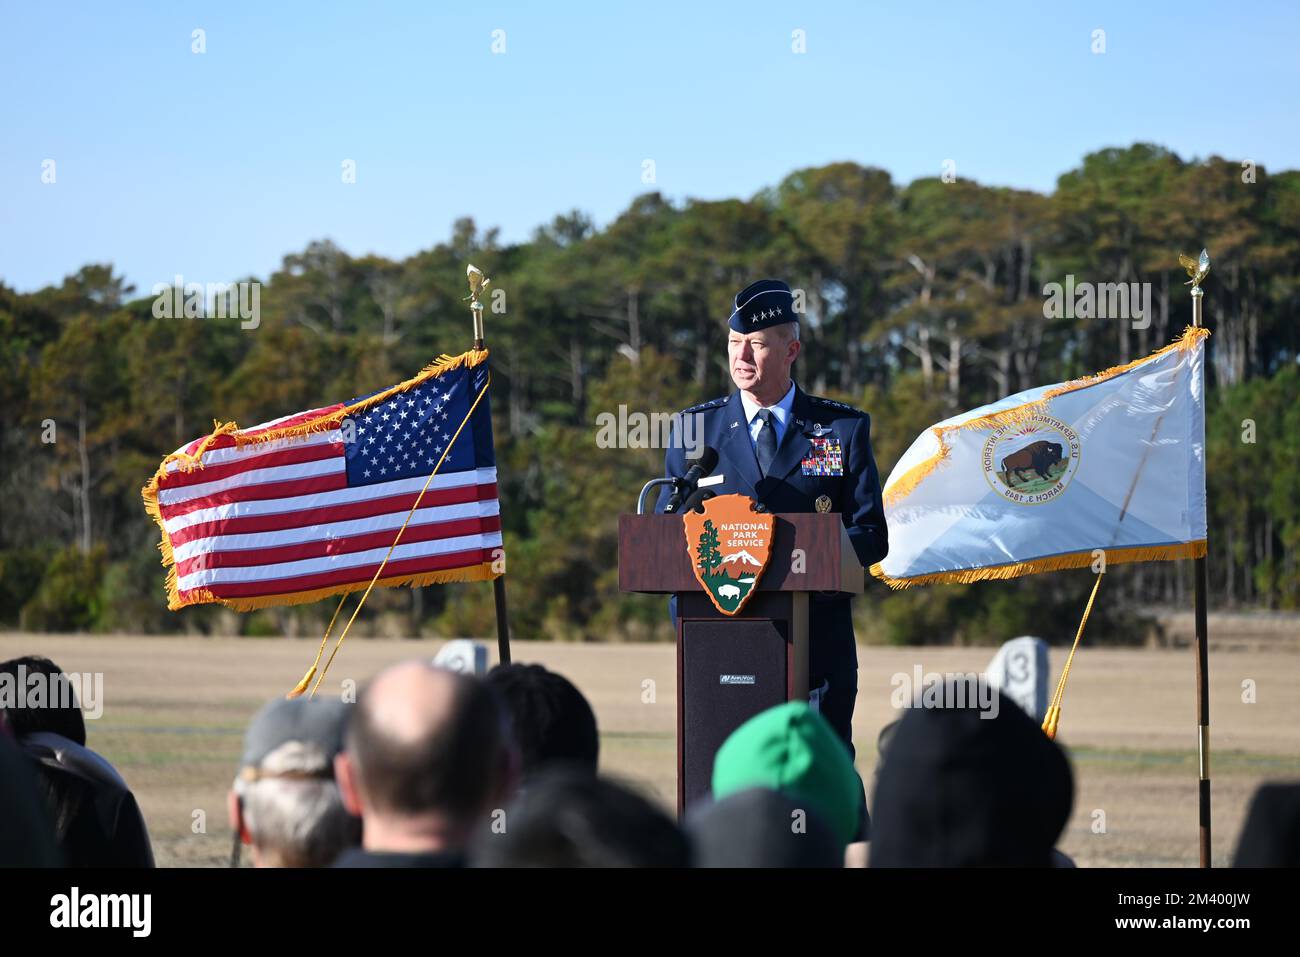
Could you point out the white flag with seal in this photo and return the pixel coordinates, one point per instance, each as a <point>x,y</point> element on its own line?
<point>1042,479</point>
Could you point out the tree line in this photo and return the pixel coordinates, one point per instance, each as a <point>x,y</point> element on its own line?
<point>921,300</point>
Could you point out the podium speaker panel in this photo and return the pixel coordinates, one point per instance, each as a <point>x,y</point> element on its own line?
<point>731,671</point>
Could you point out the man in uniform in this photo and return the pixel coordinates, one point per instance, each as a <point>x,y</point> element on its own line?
<point>794,452</point>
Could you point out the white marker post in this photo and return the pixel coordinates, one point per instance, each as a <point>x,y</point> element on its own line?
<point>463,656</point>
<point>1019,671</point>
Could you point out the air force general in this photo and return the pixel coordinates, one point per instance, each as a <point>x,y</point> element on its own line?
<point>794,452</point>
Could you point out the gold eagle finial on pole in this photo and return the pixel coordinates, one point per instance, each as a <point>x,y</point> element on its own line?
<point>477,283</point>
<point>1197,269</point>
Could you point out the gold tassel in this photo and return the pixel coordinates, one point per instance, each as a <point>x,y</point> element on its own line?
<point>300,688</point>
<point>1053,717</point>
<point>1051,721</point>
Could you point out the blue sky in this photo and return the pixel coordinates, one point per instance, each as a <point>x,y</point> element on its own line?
<point>216,165</point>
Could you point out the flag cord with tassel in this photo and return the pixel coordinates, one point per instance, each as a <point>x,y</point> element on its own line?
<point>1053,716</point>
<point>301,687</point>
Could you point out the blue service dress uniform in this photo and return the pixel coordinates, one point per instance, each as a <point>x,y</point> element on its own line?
<point>804,469</point>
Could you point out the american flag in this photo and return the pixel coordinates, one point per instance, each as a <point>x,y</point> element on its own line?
<point>308,505</point>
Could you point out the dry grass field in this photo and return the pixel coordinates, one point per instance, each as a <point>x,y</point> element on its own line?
<point>175,710</point>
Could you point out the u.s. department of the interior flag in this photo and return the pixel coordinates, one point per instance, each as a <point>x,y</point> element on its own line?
<point>1043,479</point>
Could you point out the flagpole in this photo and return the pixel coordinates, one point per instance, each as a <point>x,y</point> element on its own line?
<point>1201,577</point>
<point>476,283</point>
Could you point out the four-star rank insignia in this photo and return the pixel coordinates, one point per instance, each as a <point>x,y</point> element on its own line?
<point>729,545</point>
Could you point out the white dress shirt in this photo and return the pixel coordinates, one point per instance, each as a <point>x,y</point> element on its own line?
<point>780,415</point>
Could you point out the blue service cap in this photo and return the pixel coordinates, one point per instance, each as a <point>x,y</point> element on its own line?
<point>768,302</point>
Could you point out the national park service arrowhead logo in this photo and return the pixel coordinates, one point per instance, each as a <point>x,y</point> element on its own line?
<point>729,545</point>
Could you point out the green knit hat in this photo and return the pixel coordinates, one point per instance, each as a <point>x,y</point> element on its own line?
<point>792,749</point>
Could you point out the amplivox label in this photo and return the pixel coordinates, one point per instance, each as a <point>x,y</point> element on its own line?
<point>735,679</point>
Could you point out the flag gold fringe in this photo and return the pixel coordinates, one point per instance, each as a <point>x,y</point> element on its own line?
<point>907,483</point>
<point>470,573</point>
<point>1114,556</point>
<point>323,423</point>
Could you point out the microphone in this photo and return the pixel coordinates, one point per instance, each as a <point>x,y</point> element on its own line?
<point>704,465</point>
<point>678,487</point>
<point>698,498</point>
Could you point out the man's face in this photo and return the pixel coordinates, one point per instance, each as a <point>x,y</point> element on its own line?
<point>760,361</point>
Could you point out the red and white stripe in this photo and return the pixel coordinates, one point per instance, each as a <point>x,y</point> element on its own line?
<point>278,518</point>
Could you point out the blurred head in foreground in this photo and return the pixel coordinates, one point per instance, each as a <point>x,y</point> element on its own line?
<point>95,817</point>
<point>58,712</point>
<point>961,787</point>
<point>569,818</point>
<point>793,750</point>
<point>761,828</point>
<point>285,802</point>
<point>552,722</point>
<point>1271,835</point>
<point>427,756</point>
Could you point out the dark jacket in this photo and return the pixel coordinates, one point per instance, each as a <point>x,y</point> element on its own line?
<point>96,819</point>
<point>358,857</point>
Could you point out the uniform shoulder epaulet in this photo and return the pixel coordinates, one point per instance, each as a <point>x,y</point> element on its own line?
<point>819,400</point>
<point>705,406</point>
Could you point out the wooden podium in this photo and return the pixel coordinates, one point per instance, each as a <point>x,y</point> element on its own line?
<point>731,667</point>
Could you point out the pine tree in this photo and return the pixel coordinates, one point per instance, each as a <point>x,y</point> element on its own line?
<point>710,557</point>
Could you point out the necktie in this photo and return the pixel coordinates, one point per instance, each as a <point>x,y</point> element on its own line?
<point>766,441</point>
